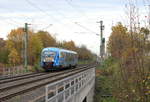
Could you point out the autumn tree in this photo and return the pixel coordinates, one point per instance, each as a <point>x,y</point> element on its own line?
<point>70,45</point>
<point>35,48</point>
<point>3,52</point>
<point>46,39</point>
<point>14,57</point>
<point>36,42</point>
<point>84,53</point>
<point>15,41</point>
<point>131,76</point>
<point>118,41</point>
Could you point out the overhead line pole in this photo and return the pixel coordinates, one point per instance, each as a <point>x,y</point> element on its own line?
<point>26,47</point>
<point>102,40</point>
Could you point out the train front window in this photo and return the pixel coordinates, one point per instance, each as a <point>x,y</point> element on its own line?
<point>48,56</point>
<point>49,53</point>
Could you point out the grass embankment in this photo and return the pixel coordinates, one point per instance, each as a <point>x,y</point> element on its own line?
<point>103,84</point>
<point>84,62</point>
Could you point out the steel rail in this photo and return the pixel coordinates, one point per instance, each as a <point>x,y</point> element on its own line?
<point>8,84</point>
<point>11,78</point>
<point>21,77</point>
<point>15,76</point>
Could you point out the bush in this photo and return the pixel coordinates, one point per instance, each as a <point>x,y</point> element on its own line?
<point>104,82</point>
<point>37,68</point>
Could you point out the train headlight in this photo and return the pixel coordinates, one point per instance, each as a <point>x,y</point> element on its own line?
<point>44,60</point>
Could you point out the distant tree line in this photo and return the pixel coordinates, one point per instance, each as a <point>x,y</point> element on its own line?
<point>12,49</point>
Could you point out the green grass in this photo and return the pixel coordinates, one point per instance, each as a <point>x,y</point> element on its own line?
<point>110,99</point>
<point>104,83</point>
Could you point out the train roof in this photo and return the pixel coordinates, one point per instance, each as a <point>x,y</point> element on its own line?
<point>58,49</point>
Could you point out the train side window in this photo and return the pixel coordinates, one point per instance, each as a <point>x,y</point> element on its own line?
<point>76,56</point>
<point>62,54</point>
<point>70,56</point>
<point>67,57</point>
<point>73,56</point>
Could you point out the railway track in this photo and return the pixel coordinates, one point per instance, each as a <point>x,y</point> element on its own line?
<point>19,85</point>
<point>22,76</point>
<point>19,77</point>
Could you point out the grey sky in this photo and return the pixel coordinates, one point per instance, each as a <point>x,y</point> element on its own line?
<point>63,14</point>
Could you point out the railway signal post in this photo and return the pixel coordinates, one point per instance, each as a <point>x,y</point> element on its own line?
<point>102,41</point>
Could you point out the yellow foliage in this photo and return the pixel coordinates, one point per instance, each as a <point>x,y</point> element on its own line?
<point>14,57</point>
<point>133,91</point>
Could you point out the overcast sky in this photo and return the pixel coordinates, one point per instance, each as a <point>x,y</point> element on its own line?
<point>65,19</point>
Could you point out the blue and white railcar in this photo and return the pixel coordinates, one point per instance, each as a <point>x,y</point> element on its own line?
<point>52,58</point>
